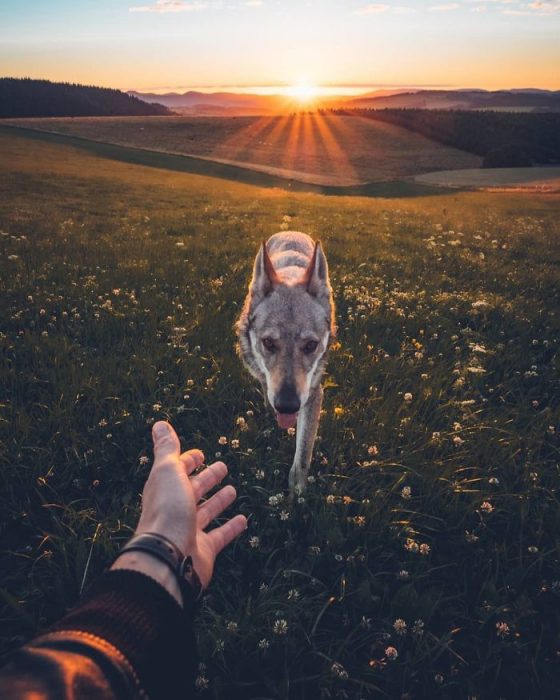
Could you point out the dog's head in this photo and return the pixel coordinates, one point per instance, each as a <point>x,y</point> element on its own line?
<point>290,325</point>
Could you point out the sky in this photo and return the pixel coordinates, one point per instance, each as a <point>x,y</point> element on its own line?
<point>346,45</point>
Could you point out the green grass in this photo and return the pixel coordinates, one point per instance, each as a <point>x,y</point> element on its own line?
<point>119,287</point>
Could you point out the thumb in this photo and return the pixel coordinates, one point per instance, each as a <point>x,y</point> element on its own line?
<point>166,442</point>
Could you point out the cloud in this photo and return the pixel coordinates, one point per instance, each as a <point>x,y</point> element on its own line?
<point>537,8</point>
<point>445,8</point>
<point>372,9</point>
<point>163,6</point>
<point>253,3</point>
<point>545,7</point>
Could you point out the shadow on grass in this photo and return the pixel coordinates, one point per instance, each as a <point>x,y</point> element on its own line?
<point>200,166</point>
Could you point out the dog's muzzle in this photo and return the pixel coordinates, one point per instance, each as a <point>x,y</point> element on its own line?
<point>287,405</point>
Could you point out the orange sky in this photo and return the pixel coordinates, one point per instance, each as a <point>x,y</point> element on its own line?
<point>146,44</point>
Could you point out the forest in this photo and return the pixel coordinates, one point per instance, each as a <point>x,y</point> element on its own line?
<point>503,139</point>
<point>24,97</point>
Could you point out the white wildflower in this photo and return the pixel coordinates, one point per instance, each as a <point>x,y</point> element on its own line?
<point>399,625</point>
<point>280,627</point>
<point>406,493</point>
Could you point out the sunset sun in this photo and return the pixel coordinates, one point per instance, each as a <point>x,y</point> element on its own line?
<point>302,91</point>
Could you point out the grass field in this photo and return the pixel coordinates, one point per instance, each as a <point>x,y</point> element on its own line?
<point>322,149</point>
<point>423,561</point>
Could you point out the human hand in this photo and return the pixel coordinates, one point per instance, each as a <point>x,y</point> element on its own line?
<point>170,508</point>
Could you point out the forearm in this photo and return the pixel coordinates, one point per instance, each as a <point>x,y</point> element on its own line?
<point>128,629</point>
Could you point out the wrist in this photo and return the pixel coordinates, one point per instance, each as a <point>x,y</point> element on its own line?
<point>150,566</point>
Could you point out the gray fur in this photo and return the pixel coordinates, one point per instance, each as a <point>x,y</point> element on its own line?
<point>290,303</point>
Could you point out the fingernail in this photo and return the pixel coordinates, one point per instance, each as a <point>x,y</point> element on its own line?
<point>160,429</point>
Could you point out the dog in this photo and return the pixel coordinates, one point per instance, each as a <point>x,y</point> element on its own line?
<point>284,333</point>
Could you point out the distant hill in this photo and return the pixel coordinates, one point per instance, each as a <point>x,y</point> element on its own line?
<point>229,104</point>
<point>220,103</point>
<point>23,97</point>
<point>507,100</point>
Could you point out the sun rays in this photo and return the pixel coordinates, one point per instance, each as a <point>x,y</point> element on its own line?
<point>302,143</point>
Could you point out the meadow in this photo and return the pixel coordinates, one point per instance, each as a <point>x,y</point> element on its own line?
<point>423,559</point>
<point>324,149</point>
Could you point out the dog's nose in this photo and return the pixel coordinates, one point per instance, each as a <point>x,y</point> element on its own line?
<point>287,400</point>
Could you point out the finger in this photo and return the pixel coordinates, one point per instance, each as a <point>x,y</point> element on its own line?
<point>222,536</point>
<point>166,442</point>
<point>192,459</point>
<point>207,479</point>
<point>211,508</point>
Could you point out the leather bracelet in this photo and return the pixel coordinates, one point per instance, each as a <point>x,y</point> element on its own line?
<point>167,552</point>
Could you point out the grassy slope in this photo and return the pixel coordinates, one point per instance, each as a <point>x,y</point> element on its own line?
<point>125,287</point>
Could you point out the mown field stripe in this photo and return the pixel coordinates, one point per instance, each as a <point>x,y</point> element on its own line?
<point>209,168</point>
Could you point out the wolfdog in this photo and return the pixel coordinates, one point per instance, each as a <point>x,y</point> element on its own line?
<point>284,334</point>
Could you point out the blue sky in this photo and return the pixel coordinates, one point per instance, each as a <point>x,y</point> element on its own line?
<point>147,44</point>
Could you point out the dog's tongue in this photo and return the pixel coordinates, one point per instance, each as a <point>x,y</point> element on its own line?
<point>286,420</point>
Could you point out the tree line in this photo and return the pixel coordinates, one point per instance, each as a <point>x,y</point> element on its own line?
<point>24,97</point>
<point>503,139</point>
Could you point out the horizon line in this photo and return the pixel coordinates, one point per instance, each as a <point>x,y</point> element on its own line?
<point>281,86</point>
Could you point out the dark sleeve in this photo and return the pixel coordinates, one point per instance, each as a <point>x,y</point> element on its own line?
<point>127,638</point>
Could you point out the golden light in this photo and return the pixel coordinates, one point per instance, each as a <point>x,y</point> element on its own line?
<point>302,91</point>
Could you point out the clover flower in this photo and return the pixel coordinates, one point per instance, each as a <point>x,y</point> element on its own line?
<point>339,671</point>
<point>391,653</point>
<point>201,682</point>
<point>280,627</point>
<point>399,625</point>
<point>502,629</point>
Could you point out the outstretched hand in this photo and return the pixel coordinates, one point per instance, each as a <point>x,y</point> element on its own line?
<point>171,505</point>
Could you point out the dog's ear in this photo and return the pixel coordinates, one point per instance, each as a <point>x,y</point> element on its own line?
<point>316,278</point>
<point>264,275</point>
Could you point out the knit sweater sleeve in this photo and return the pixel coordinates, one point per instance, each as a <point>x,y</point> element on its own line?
<point>128,636</point>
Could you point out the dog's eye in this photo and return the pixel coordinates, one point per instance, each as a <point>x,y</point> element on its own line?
<point>310,347</point>
<point>269,344</point>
